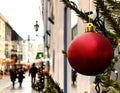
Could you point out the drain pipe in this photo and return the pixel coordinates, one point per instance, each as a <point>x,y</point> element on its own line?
<point>65,48</point>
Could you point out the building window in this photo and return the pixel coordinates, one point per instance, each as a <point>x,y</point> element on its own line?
<point>74,31</point>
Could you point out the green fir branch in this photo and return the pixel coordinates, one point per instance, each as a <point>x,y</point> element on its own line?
<point>115,4</point>
<point>79,13</point>
<point>105,12</point>
<point>85,17</point>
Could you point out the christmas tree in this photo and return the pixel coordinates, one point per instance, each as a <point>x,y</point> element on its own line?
<point>43,75</point>
<point>109,10</point>
<point>39,84</point>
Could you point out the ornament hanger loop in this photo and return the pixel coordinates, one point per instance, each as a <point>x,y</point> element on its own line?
<point>90,27</point>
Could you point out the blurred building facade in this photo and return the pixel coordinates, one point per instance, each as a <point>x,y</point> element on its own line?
<point>2,38</point>
<point>10,43</point>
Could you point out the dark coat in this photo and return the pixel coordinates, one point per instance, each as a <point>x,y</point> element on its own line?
<point>13,74</point>
<point>33,70</point>
<point>20,75</point>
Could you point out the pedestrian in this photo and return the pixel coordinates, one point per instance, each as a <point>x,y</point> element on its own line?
<point>33,71</point>
<point>13,75</point>
<point>20,75</point>
<point>1,74</point>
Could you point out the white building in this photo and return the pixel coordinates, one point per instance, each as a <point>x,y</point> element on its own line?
<point>57,20</point>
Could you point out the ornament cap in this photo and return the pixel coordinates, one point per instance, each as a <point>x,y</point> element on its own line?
<point>90,27</point>
<point>118,42</point>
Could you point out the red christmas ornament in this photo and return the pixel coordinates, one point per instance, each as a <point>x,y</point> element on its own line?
<point>90,53</point>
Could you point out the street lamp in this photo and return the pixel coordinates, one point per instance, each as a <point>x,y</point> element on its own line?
<point>36,26</point>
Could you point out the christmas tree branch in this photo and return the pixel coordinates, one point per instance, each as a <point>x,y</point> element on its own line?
<point>79,13</point>
<point>83,16</point>
<point>105,12</point>
<point>115,4</point>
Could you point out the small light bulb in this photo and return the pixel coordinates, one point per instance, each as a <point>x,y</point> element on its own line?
<point>93,85</point>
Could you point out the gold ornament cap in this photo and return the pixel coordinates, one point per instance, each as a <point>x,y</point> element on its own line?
<point>118,42</point>
<point>90,28</point>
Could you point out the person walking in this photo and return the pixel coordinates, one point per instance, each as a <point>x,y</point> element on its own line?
<point>13,75</point>
<point>20,75</point>
<point>33,71</point>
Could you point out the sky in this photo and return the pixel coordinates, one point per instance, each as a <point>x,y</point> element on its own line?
<point>22,16</point>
